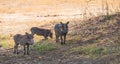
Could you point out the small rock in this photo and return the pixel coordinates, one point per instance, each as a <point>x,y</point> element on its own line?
<point>40,57</point>
<point>35,61</point>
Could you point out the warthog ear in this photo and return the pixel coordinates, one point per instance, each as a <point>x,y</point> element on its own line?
<point>67,22</point>
<point>26,33</point>
<point>61,23</point>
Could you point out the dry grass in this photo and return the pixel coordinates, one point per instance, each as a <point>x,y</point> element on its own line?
<point>39,13</point>
<point>90,34</point>
<point>6,41</point>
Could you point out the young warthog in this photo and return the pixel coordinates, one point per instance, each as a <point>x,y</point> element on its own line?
<point>43,32</point>
<point>24,40</point>
<point>61,30</point>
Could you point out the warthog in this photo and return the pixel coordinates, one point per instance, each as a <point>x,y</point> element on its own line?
<point>40,31</point>
<point>61,30</point>
<point>24,40</point>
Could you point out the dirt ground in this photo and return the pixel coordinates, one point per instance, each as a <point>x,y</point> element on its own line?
<point>47,57</point>
<point>35,57</point>
<point>56,56</point>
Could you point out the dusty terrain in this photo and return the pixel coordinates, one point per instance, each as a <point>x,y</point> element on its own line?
<point>103,32</point>
<point>89,29</point>
<point>36,12</point>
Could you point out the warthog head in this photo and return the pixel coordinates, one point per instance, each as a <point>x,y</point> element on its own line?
<point>64,28</point>
<point>29,38</point>
<point>50,35</point>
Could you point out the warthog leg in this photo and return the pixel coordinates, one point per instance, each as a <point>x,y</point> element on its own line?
<point>27,49</point>
<point>24,49</point>
<point>57,38</point>
<point>64,38</point>
<point>45,36</point>
<point>15,49</point>
<point>61,39</point>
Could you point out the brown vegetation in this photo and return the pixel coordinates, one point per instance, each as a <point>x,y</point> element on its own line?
<point>93,37</point>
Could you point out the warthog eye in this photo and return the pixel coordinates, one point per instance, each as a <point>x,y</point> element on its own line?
<point>64,27</point>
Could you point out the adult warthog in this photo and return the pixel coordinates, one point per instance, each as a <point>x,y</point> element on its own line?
<point>24,40</point>
<point>42,32</point>
<point>61,30</point>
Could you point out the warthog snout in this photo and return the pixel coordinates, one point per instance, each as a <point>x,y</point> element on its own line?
<point>50,34</point>
<point>31,42</point>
